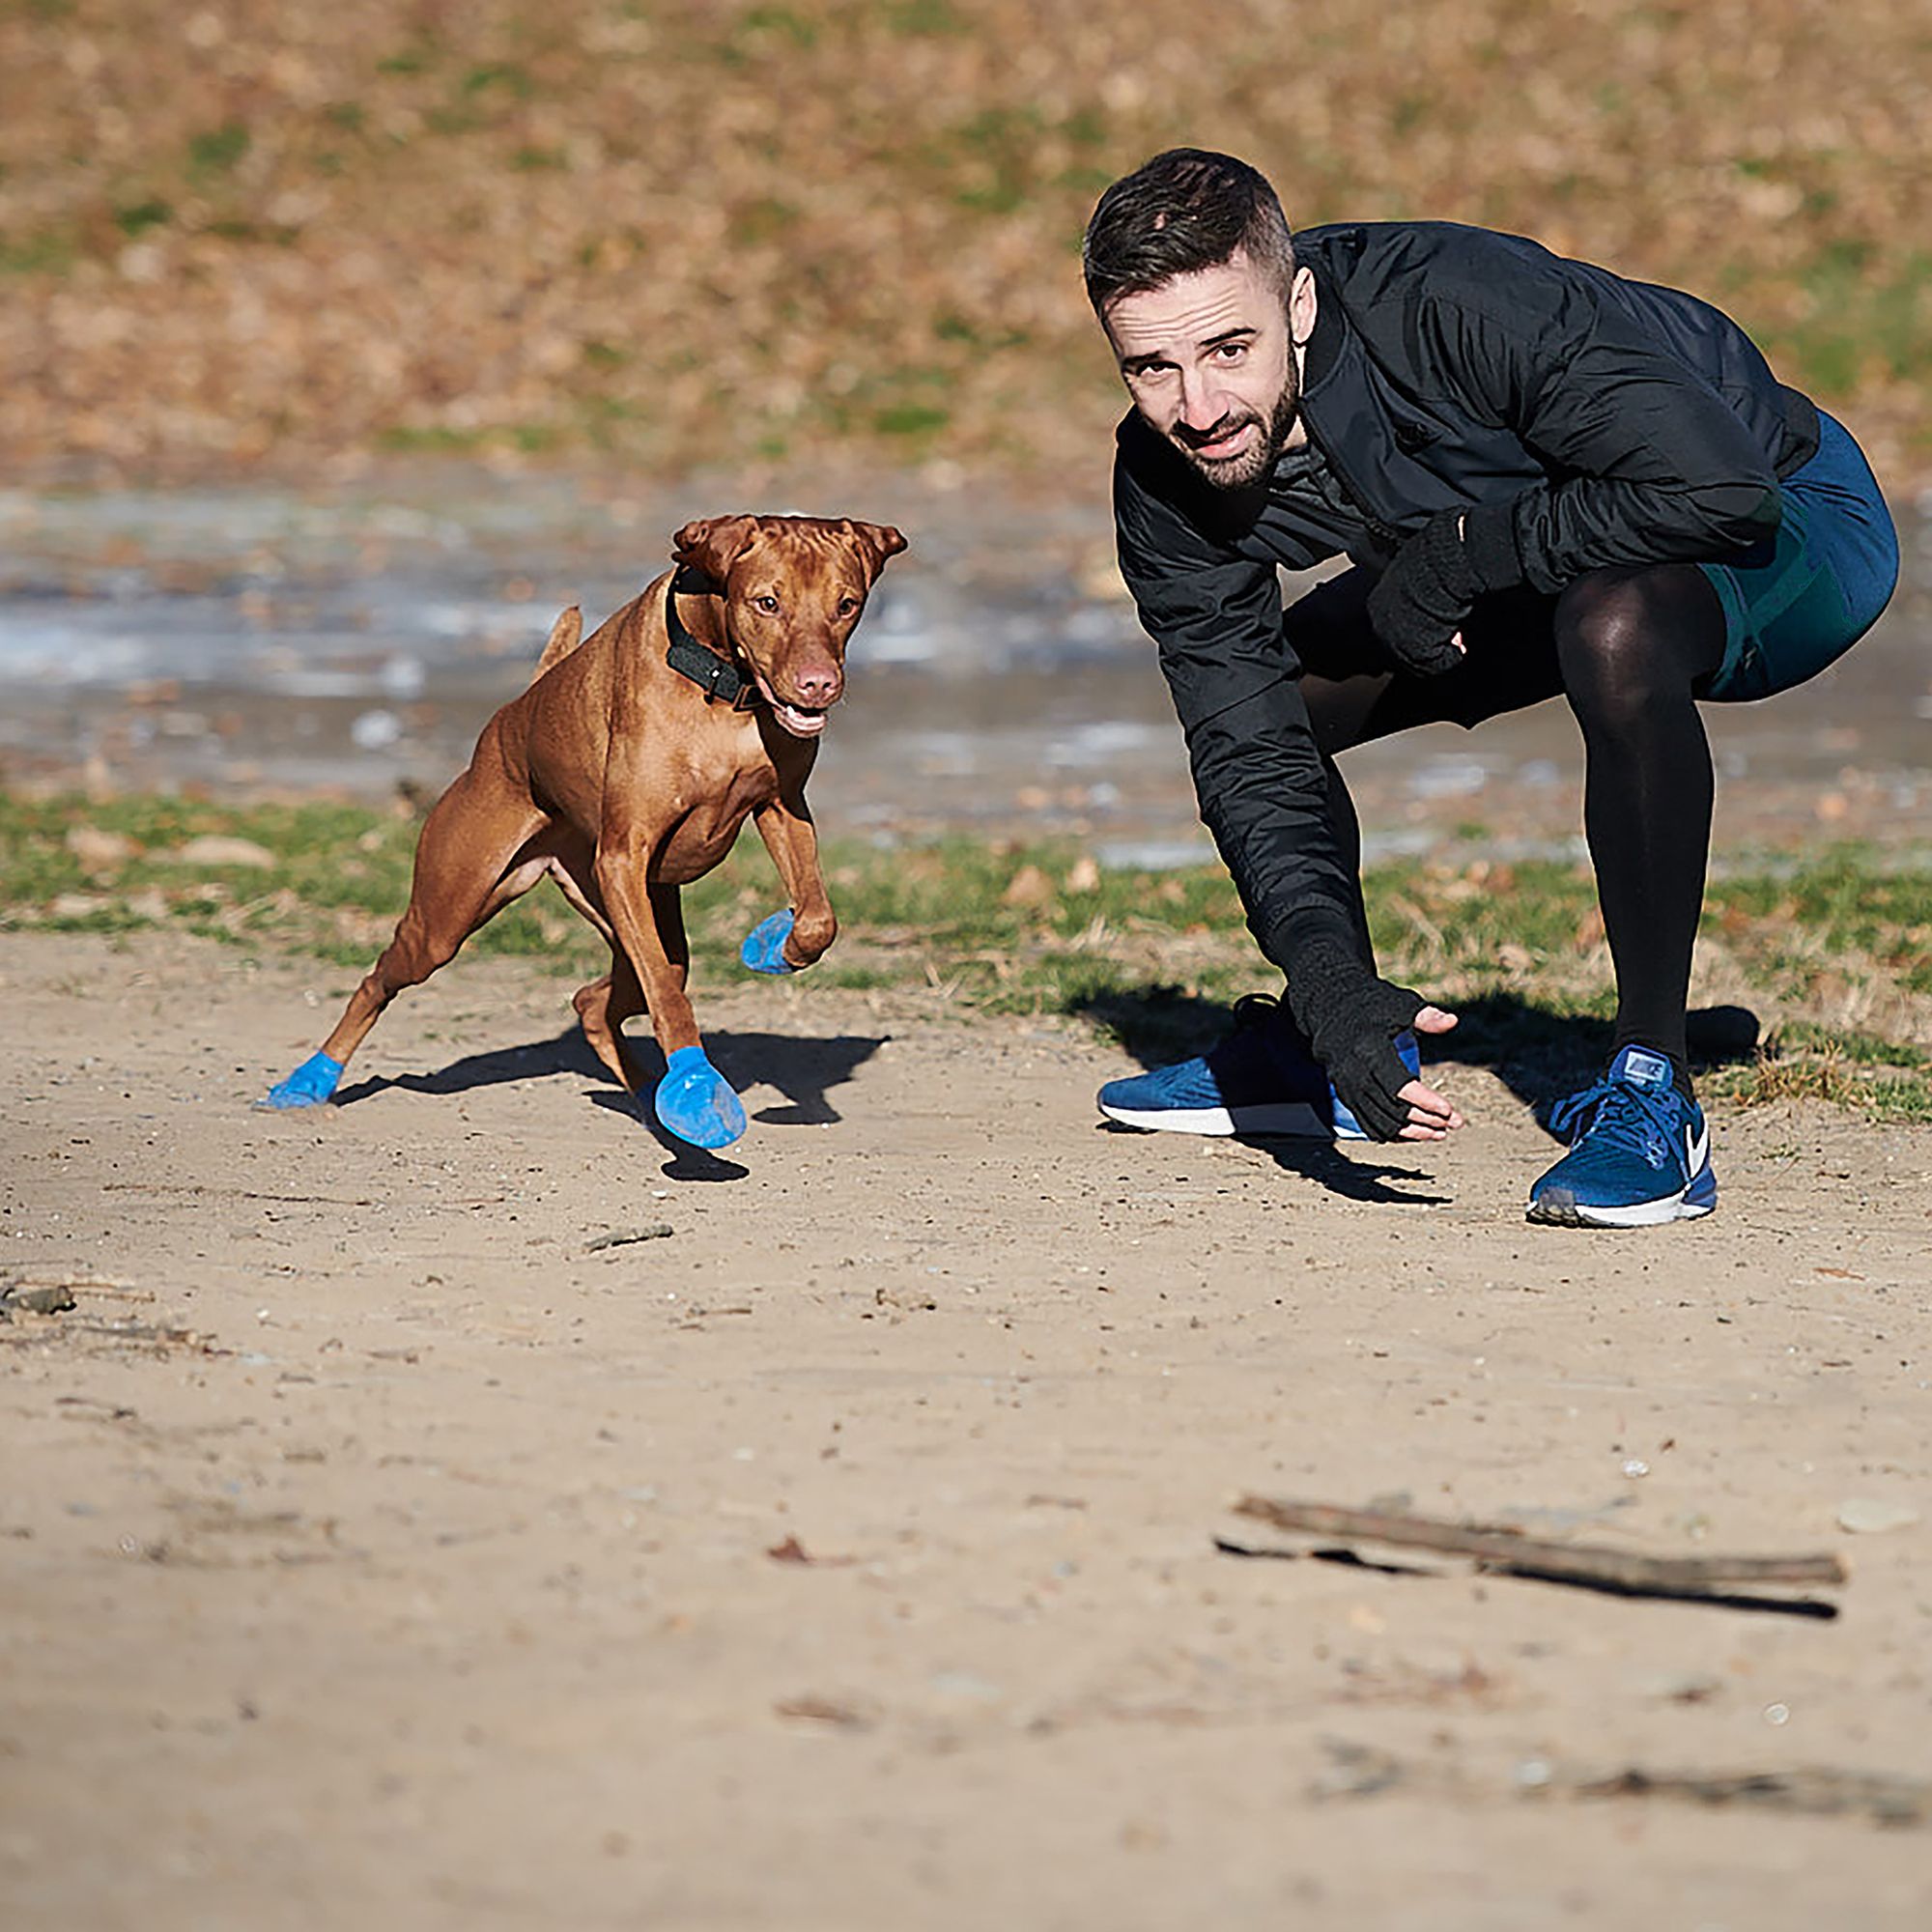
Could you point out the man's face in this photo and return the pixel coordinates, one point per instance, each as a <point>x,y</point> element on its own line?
<point>1210,363</point>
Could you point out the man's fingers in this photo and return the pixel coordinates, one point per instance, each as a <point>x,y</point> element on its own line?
<point>1428,1109</point>
<point>1433,1020</point>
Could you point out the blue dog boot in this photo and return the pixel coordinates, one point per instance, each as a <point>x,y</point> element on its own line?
<point>763,950</point>
<point>312,1083</point>
<point>693,1102</point>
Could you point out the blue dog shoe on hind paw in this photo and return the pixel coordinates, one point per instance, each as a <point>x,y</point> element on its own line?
<point>311,1084</point>
<point>763,950</point>
<point>693,1102</point>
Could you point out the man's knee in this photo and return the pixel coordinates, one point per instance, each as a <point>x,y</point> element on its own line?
<point>1627,637</point>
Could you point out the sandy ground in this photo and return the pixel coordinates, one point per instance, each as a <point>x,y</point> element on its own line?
<point>376,1553</point>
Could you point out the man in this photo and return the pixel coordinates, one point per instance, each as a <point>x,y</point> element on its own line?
<point>1549,480</point>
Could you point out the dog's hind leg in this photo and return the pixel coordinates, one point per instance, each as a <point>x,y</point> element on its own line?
<point>470,864</point>
<point>601,1008</point>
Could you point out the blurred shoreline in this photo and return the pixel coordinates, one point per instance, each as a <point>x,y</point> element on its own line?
<point>349,637</point>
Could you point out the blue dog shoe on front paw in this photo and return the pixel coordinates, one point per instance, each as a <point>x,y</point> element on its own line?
<point>763,950</point>
<point>693,1102</point>
<point>311,1084</point>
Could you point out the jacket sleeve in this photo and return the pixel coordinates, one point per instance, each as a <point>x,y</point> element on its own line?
<point>1217,618</point>
<point>1649,463</point>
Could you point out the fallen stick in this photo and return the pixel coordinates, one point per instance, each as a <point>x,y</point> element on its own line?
<point>1823,1792</point>
<point>622,1237</point>
<point>1358,1771</point>
<point>1499,1547</point>
<point>84,1283</point>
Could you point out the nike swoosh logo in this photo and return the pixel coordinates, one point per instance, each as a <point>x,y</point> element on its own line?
<point>1696,1149</point>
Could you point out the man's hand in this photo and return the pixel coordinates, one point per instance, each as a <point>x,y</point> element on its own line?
<point>1431,1116</point>
<point>1352,1019</point>
<point>1421,601</point>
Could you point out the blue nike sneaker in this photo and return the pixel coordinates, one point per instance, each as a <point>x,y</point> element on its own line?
<point>1262,1079</point>
<point>1639,1151</point>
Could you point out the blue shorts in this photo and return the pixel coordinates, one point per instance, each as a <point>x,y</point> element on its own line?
<point>1800,599</point>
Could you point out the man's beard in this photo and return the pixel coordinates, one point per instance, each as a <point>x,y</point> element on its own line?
<point>1251,464</point>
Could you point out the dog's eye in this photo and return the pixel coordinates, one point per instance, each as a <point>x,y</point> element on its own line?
<point>766,603</point>
<point>847,604</point>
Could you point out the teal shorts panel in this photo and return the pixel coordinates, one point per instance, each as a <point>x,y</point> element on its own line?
<point>1804,597</point>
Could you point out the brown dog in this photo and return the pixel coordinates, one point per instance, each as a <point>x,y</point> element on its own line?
<point>627,770</point>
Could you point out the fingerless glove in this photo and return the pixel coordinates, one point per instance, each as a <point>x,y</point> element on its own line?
<point>1352,1018</point>
<point>1424,597</point>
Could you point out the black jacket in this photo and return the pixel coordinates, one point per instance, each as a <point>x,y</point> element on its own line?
<point>1597,421</point>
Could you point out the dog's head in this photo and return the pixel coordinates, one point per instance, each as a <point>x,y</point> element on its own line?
<point>793,590</point>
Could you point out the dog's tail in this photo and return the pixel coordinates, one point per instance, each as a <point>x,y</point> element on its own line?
<point>565,635</point>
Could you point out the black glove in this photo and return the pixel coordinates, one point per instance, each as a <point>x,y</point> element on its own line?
<point>1352,1019</point>
<point>1424,597</point>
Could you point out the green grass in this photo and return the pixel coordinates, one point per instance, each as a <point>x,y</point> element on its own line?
<point>1152,957</point>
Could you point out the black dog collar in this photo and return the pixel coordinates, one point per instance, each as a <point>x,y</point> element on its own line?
<point>716,676</point>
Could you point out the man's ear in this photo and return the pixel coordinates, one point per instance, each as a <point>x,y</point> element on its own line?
<point>876,541</point>
<point>1301,303</point>
<point>714,544</point>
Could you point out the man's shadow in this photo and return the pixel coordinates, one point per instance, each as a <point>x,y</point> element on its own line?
<point>803,1070</point>
<point>1541,1056</point>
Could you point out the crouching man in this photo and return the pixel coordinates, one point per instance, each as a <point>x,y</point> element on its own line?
<point>1549,480</point>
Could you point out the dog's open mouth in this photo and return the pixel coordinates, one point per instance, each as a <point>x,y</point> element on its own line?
<point>800,719</point>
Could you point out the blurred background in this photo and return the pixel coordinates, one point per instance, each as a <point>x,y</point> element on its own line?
<point>341,345</point>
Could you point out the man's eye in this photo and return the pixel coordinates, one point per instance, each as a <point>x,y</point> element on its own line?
<point>1231,352</point>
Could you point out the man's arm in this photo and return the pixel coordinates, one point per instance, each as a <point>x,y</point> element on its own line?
<point>1649,463</point>
<point>1217,618</point>
<point>1647,460</point>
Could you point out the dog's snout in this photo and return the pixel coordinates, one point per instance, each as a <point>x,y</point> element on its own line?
<point>817,684</point>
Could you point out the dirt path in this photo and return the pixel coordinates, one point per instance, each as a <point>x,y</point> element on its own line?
<point>379,1555</point>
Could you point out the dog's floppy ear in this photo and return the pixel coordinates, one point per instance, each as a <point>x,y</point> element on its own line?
<point>876,541</point>
<point>714,544</point>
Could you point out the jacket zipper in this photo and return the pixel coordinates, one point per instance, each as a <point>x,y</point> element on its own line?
<point>1387,536</point>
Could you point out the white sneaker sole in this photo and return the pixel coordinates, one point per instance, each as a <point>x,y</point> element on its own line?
<point>1561,1212</point>
<point>1284,1120</point>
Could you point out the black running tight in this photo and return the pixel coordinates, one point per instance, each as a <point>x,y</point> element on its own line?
<point>1627,649</point>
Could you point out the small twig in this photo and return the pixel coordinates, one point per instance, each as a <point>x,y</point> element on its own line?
<point>620,1237</point>
<point>85,1284</point>
<point>239,1193</point>
<point>54,1299</point>
<point>1502,1549</point>
<point>1821,1791</point>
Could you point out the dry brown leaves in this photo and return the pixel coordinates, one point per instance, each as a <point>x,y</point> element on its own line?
<point>706,232</point>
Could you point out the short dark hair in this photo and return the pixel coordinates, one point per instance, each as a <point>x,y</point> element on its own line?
<point>1183,211</point>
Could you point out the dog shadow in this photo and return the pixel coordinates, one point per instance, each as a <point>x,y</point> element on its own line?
<point>804,1072</point>
<point>1540,1055</point>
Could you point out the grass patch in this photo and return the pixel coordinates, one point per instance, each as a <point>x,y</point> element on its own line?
<point>1830,954</point>
<point>220,151</point>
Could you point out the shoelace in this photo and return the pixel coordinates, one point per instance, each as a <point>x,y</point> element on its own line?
<point>1615,1106</point>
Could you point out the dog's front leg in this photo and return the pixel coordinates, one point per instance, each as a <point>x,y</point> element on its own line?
<point>693,1100</point>
<point>794,938</point>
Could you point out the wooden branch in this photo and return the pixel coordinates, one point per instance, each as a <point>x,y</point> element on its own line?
<point>1824,1791</point>
<point>1499,1547</point>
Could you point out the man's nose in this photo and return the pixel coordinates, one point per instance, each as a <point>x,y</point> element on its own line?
<point>1203,400</point>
